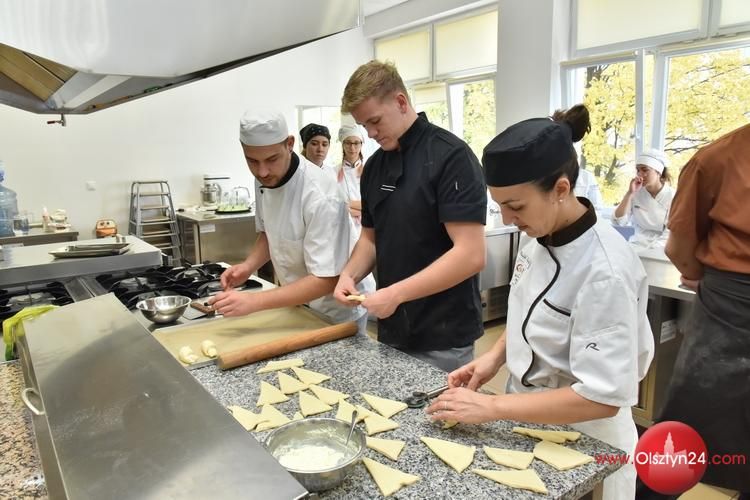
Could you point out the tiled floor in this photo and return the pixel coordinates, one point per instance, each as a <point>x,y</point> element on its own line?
<point>492,330</point>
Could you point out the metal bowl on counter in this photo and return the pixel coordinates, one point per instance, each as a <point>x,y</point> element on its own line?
<point>313,450</point>
<point>164,309</point>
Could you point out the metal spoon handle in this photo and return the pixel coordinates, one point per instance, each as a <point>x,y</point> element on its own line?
<point>351,429</point>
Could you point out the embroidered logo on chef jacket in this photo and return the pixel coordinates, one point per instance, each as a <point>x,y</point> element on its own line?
<point>523,263</point>
<point>386,187</point>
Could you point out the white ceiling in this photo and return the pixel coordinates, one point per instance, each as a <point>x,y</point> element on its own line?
<point>372,6</point>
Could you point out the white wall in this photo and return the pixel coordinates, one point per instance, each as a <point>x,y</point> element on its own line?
<point>176,135</point>
<point>533,39</point>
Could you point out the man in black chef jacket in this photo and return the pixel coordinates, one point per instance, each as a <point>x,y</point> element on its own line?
<point>424,204</point>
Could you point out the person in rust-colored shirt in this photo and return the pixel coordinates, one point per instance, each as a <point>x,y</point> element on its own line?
<point>709,243</point>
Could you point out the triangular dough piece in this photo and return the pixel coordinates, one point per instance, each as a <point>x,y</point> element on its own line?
<point>391,448</point>
<point>386,407</point>
<point>245,417</point>
<point>458,456</point>
<point>375,423</point>
<point>510,458</point>
<point>310,405</point>
<point>388,479</point>
<point>362,412</point>
<point>554,436</point>
<point>290,385</point>
<point>522,479</point>
<point>274,418</point>
<point>560,457</point>
<point>270,395</point>
<point>272,366</point>
<point>447,424</point>
<point>297,416</point>
<point>328,396</point>
<point>345,410</point>
<point>310,377</point>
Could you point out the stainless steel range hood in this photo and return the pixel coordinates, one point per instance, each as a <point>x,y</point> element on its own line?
<point>81,56</point>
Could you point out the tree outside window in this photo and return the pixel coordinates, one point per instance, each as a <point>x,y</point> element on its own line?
<point>708,96</point>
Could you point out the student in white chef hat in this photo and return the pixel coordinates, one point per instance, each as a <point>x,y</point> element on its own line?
<point>647,200</point>
<point>303,227</point>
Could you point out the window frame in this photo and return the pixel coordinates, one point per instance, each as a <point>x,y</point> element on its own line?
<point>430,48</point>
<point>715,29</point>
<point>434,78</point>
<point>467,73</point>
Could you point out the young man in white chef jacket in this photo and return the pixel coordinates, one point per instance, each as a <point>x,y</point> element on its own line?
<point>303,227</point>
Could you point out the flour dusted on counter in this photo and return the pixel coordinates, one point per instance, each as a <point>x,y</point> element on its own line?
<point>311,457</point>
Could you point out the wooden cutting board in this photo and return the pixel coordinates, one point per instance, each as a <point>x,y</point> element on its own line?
<point>231,334</point>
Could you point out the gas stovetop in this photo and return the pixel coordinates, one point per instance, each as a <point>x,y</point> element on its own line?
<point>196,282</point>
<point>12,300</point>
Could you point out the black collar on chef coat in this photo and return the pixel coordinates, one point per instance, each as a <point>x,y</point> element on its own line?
<point>393,160</point>
<point>573,231</point>
<point>293,165</point>
<point>414,132</point>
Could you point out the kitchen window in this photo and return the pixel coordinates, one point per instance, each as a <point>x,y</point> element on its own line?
<point>610,90</point>
<point>456,88</point>
<point>708,95</point>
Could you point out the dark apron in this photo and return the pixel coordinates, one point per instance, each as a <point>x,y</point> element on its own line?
<point>710,387</point>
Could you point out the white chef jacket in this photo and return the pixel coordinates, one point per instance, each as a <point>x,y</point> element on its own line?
<point>649,215</point>
<point>350,181</point>
<point>587,187</point>
<point>309,231</point>
<point>586,328</point>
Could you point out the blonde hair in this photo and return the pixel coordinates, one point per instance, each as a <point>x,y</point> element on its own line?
<point>373,79</point>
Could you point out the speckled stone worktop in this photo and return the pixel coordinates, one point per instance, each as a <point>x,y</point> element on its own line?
<point>359,364</point>
<point>20,469</point>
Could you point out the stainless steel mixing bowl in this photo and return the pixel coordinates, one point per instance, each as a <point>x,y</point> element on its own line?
<point>164,309</point>
<point>316,431</point>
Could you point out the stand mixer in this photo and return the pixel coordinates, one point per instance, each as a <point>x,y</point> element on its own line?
<point>214,186</point>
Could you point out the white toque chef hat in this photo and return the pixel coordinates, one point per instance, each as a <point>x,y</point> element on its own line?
<point>263,128</point>
<point>653,158</point>
<point>350,130</point>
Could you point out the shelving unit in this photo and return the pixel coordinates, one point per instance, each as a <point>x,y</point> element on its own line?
<point>152,218</point>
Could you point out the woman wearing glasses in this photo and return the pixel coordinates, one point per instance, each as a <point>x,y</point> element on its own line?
<point>350,169</point>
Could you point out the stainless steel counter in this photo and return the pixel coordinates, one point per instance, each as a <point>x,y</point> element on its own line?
<point>34,263</point>
<point>207,237</point>
<point>668,311</point>
<point>122,419</point>
<point>664,280</point>
<point>38,236</point>
<point>212,218</point>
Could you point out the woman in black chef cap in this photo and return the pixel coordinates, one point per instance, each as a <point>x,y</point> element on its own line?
<point>316,139</point>
<point>577,340</point>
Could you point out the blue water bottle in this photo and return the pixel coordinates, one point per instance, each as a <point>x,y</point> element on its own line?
<point>8,206</point>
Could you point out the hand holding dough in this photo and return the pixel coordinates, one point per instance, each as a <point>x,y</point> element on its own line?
<point>186,355</point>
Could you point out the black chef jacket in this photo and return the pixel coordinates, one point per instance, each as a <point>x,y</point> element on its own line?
<point>407,197</point>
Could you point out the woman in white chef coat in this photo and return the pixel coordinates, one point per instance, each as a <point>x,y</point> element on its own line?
<point>588,187</point>
<point>303,228</point>
<point>647,201</point>
<point>350,169</point>
<point>577,340</point>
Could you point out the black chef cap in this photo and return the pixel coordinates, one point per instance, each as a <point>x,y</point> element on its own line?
<point>527,151</point>
<point>311,130</point>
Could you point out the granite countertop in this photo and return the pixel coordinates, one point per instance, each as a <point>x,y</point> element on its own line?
<point>20,468</point>
<point>359,364</point>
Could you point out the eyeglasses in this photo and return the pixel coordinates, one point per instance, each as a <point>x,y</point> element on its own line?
<point>352,143</point>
